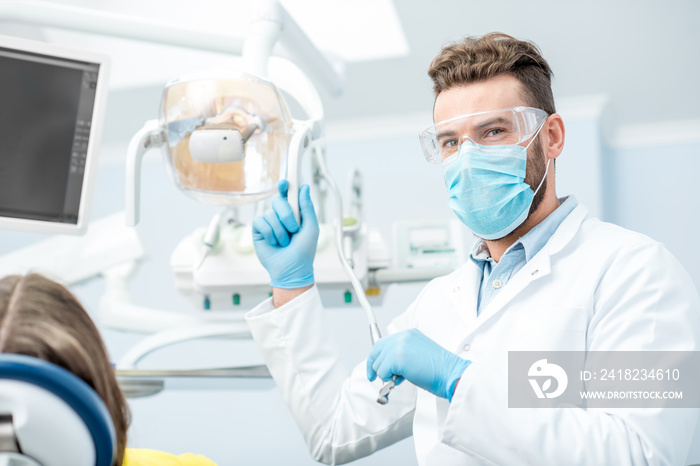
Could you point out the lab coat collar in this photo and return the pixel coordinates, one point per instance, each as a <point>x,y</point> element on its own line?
<point>567,230</point>
<point>535,269</point>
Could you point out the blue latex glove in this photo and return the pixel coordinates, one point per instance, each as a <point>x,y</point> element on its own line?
<point>285,248</point>
<point>418,359</point>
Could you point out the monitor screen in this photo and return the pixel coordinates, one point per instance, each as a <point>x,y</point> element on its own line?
<point>50,114</point>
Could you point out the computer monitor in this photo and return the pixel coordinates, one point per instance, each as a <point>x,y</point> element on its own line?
<point>52,103</point>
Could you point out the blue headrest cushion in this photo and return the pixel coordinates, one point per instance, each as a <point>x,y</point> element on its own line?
<point>73,391</point>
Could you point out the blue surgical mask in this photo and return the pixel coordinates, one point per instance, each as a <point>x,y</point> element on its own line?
<point>487,188</point>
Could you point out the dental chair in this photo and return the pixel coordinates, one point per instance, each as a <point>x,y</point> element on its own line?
<point>50,417</point>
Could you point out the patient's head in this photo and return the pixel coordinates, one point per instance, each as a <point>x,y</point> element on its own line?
<point>40,318</point>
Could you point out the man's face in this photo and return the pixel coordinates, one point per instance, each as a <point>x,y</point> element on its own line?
<point>493,94</point>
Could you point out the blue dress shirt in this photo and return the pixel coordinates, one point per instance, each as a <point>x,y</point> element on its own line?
<point>495,275</point>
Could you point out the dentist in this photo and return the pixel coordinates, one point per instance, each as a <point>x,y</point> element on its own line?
<point>543,276</point>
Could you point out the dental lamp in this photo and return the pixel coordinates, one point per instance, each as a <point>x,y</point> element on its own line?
<point>228,137</point>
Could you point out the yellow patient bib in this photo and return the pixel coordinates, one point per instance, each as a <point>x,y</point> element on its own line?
<point>144,457</point>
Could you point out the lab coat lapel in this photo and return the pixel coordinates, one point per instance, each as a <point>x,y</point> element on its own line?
<point>463,291</point>
<point>537,268</point>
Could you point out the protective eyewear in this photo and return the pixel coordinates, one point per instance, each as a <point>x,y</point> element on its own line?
<point>509,126</point>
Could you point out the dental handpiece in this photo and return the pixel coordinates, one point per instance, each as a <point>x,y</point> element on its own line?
<point>383,397</point>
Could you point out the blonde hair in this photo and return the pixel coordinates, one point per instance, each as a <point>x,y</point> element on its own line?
<point>475,59</point>
<point>41,318</point>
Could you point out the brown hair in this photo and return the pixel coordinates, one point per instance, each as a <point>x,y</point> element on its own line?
<point>40,318</point>
<point>476,59</point>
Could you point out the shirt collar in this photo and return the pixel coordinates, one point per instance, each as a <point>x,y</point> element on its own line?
<point>534,240</point>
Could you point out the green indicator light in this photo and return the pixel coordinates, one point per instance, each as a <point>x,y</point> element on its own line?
<point>236,299</point>
<point>348,297</point>
<point>207,303</point>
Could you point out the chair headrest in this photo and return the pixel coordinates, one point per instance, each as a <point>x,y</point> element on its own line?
<point>57,418</point>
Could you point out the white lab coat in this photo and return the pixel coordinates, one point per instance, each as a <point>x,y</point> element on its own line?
<point>593,286</point>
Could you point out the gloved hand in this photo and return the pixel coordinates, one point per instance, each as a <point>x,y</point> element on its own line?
<point>418,359</point>
<point>285,248</point>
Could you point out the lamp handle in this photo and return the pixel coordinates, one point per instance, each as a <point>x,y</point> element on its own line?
<point>298,146</point>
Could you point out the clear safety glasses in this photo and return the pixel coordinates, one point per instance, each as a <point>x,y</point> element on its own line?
<point>507,126</point>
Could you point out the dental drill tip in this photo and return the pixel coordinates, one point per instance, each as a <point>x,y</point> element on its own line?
<point>383,397</point>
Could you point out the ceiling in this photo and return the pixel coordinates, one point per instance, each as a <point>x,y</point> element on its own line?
<point>644,55</point>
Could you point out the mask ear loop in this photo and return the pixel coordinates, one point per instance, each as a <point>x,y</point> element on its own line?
<point>543,177</point>
<point>537,133</point>
<point>546,169</point>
